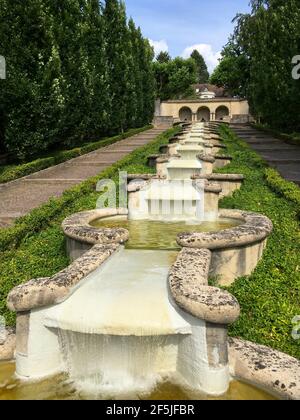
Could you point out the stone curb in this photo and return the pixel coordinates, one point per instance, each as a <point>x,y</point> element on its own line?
<point>78,227</point>
<point>51,291</point>
<point>255,228</point>
<point>8,346</point>
<point>188,280</point>
<point>265,367</point>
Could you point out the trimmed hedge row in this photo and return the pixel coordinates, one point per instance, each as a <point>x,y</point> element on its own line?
<point>270,296</point>
<point>18,171</point>
<point>287,138</point>
<point>289,190</point>
<point>35,246</point>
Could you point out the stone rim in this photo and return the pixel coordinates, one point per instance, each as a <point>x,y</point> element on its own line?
<point>255,228</point>
<point>188,280</point>
<point>43,292</point>
<point>265,368</point>
<point>78,227</point>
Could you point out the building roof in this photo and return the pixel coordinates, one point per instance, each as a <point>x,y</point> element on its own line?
<point>219,91</point>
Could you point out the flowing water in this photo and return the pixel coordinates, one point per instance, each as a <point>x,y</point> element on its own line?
<point>147,234</point>
<point>60,388</point>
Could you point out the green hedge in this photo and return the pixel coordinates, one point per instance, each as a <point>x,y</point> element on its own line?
<point>13,172</point>
<point>35,246</point>
<point>293,139</point>
<point>270,297</point>
<point>289,190</point>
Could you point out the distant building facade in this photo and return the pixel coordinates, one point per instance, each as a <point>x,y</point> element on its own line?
<point>212,104</point>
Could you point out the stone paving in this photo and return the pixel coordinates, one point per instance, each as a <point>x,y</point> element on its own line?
<point>279,155</point>
<point>19,197</point>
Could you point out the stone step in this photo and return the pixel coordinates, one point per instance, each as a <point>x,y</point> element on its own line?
<point>274,148</point>
<point>282,161</point>
<point>262,141</point>
<point>281,156</point>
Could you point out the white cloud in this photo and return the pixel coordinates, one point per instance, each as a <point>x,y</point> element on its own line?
<point>159,46</point>
<point>211,58</point>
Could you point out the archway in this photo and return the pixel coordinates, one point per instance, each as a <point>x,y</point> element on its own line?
<point>185,114</point>
<point>203,114</point>
<point>221,113</point>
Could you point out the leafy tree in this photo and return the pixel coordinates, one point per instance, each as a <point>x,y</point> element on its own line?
<point>269,37</point>
<point>233,71</point>
<point>148,80</point>
<point>75,70</point>
<point>32,93</point>
<point>163,57</point>
<point>175,78</point>
<point>97,81</point>
<point>202,71</point>
<point>117,49</point>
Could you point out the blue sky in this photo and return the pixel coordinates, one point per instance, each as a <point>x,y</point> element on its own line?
<point>179,25</point>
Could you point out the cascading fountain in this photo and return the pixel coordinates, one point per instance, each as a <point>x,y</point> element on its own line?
<point>125,315</point>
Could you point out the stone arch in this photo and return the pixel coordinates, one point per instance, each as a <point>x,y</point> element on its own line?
<point>203,114</point>
<point>222,112</point>
<point>185,114</point>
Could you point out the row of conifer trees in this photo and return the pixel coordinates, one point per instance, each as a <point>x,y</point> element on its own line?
<point>76,70</point>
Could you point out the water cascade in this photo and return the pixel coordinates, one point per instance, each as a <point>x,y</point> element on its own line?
<point>120,320</point>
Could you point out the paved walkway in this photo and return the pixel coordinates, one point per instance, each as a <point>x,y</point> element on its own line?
<point>279,155</point>
<point>19,197</point>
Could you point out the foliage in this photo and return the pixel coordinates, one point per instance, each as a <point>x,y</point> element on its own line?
<point>232,73</point>
<point>269,297</point>
<point>163,57</point>
<point>175,78</point>
<point>12,172</point>
<point>202,71</point>
<point>289,190</point>
<point>76,71</point>
<point>267,39</point>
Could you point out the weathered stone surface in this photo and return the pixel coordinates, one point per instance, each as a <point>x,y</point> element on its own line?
<point>188,279</point>
<point>137,185</point>
<point>265,368</point>
<point>8,345</point>
<point>223,157</point>
<point>78,227</point>
<point>206,158</point>
<point>210,187</point>
<point>255,229</point>
<point>151,160</point>
<point>228,182</point>
<point>220,177</point>
<point>50,291</point>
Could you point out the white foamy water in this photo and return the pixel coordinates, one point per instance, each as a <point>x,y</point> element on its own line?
<point>120,332</point>
<point>128,296</point>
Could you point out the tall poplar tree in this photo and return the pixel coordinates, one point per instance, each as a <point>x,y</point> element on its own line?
<point>76,70</point>
<point>202,71</point>
<point>97,80</point>
<point>117,62</point>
